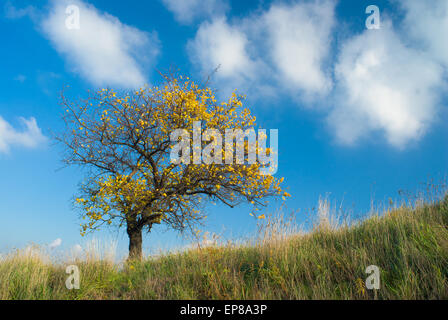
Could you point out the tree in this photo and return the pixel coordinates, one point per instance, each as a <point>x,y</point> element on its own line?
<point>125,141</point>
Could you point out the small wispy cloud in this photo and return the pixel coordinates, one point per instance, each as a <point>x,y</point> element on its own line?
<point>77,250</point>
<point>56,243</point>
<point>20,78</point>
<point>12,12</point>
<point>188,11</point>
<point>29,137</point>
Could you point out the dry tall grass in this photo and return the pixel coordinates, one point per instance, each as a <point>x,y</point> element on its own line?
<point>408,244</point>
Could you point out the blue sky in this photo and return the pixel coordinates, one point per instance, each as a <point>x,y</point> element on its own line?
<point>361,112</point>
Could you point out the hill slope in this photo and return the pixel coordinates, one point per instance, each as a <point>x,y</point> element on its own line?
<point>410,247</point>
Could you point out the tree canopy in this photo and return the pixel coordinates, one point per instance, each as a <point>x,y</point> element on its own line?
<point>126,140</point>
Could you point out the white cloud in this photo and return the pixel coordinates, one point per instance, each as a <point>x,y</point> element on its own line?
<point>12,12</point>
<point>103,50</point>
<point>187,11</point>
<point>218,44</point>
<point>30,137</point>
<point>77,249</point>
<point>383,81</point>
<point>56,243</point>
<point>20,78</point>
<point>285,47</point>
<point>384,86</point>
<point>299,36</point>
<point>427,22</point>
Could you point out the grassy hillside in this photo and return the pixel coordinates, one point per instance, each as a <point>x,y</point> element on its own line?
<point>410,246</point>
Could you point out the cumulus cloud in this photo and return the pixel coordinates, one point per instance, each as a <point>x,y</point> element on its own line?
<point>219,45</point>
<point>427,22</point>
<point>300,38</point>
<point>187,11</point>
<point>285,46</point>
<point>383,81</point>
<point>384,86</point>
<point>56,243</point>
<point>30,137</point>
<point>103,50</point>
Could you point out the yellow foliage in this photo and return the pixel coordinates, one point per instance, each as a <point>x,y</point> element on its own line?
<point>131,132</point>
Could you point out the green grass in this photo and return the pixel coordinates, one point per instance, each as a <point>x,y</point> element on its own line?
<point>410,246</point>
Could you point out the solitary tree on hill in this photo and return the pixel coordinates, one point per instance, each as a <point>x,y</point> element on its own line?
<point>137,177</point>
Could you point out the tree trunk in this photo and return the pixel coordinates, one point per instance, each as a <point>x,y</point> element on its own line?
<point>135,243</point>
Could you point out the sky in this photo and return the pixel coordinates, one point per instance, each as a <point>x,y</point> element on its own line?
<point>359,98</point>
